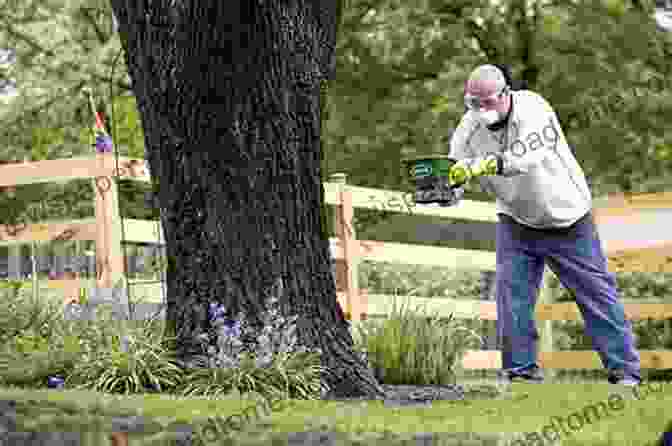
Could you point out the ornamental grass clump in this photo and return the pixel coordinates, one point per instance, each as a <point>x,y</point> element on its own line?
<point>146,367</point>
<point>244,359</point>
<point>415,347</point>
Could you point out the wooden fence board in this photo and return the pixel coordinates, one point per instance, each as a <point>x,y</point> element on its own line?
<point>84,229</point>
<point>398,201</point>
<point>76,168</point>
<point>143,231</point>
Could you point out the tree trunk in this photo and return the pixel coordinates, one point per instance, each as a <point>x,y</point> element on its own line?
<point>229,95</point>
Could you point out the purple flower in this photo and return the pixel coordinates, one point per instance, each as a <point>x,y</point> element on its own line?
<point>55,382</point>
<point>216,311</point>
<point>231,328</point>
<point>103,143</point>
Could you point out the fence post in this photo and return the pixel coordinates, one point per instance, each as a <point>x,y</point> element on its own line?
<point>546,331</point>
<point>14,262</point>
<point>109,255</point>
<point>33,263</point>
<point>347,274</point>
<point>58,267</point>
<point>489,293</point>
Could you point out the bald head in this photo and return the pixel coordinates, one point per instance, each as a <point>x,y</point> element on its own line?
<point>485,81</point>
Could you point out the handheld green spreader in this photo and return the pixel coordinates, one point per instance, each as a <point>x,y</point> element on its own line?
<point>429,175</point>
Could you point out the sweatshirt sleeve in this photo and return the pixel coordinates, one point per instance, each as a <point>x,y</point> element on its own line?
<point>459,141</point>
<point>539,137</point>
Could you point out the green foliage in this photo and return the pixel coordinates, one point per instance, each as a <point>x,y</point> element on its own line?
<point>145,366</point>
<point>31,347</point>
<point>649,334</point>
<point>37,342</point>
<point>295,375</point>
<point>266,360</point>
<point>21,315</point>
<point>422,281</point>
<point>413,347</point>
<point>51,118</point>
<point>632,286</point>
<point>29,342</point>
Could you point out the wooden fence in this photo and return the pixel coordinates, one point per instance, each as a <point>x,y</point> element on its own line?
<point>346,249</point>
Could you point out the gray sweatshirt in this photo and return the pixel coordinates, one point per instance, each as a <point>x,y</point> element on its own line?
<point>542,184</point>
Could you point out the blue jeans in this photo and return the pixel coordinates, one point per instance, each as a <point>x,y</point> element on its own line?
<point>575,255</point>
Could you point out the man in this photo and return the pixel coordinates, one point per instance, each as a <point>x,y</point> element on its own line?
<point>512,142</point>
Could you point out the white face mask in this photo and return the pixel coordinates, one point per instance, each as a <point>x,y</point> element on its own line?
<point>489,117</point>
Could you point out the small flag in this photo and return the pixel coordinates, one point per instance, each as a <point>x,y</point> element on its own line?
<point>103,142</point>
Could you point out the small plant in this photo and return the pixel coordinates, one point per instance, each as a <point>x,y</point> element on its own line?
<point>20,313</point>
<point>29,342</point>
<point>30,339</point>
<point>86,352</point>
<point>146,366</point>
<point>245,360</point>
<point>413,348</point>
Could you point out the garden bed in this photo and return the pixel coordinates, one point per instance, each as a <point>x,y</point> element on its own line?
<point>411,406</point>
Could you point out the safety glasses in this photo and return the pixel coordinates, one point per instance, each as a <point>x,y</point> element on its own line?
<point>477,102</point>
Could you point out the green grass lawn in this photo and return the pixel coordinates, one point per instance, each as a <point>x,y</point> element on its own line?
<point>526,408</point>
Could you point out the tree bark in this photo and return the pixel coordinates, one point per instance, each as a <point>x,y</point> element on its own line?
<point>229,96</point>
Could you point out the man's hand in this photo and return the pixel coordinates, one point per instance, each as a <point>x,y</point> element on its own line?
<point>458,194</point>
<point>465,170</point>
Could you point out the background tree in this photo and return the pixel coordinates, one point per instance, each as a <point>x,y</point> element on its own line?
<point>61,47</point>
